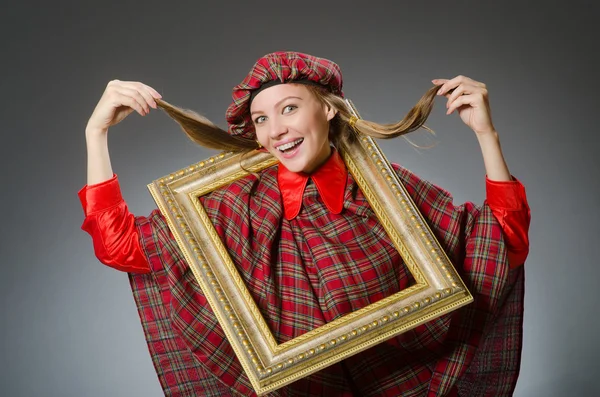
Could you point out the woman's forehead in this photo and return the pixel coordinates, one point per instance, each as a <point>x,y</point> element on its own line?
<point>272,95</point>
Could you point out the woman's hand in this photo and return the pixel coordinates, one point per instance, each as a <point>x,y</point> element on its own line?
<point>470,99</point>
<point>119,100</point>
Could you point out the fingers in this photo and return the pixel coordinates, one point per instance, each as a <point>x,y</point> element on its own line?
<point>452,84</point>
<point>133,99</point>
<point>148,93</point>
<point>135,85</point>
<point>460,101</point>
<point>457,92</point>
<point>475,99</point>
<point>136,95</point>
<point>461,91</point>
<point>155,93</point>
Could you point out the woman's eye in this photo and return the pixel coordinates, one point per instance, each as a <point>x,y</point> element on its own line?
<point>259,119</point>
<point>289,108</point>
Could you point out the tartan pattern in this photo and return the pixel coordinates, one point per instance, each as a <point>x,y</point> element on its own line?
<point>346,259</point>
<point>179,372</point>
<point>484,376</point>
<point>313,269</point>
<point>284,66</point>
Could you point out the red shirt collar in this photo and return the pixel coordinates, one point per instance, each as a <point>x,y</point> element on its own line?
<point>330,180</point>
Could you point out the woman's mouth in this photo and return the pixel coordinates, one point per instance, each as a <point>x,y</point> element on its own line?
<point>290,148</point>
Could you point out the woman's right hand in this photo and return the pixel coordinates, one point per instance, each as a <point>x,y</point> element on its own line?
<point>119,100</point>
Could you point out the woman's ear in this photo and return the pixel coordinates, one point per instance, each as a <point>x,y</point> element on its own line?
<point>331,112</point>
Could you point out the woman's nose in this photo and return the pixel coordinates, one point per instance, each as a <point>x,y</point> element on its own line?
<point>277,129</point>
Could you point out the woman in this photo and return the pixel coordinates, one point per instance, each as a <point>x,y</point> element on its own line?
<point>308,245</point>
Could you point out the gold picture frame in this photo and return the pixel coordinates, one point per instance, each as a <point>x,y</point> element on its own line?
<point>438,288</point>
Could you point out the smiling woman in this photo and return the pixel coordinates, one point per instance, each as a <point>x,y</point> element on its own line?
<point>308,246</point>
<point>294,129</point>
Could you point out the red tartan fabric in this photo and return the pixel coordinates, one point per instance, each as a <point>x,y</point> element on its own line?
<point>314,268</point>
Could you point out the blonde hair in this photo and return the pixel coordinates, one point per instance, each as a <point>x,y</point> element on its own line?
<point>205,133</point>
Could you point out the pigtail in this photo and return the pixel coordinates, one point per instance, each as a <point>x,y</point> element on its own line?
<point>204,132</point>
<point>413,120</point>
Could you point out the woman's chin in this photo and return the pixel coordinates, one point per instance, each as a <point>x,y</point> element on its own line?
<point>293,166</point>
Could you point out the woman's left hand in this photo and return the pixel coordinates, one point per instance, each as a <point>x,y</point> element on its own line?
<point>470,99</point>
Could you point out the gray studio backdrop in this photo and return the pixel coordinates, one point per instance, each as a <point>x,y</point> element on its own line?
<point>69,324</point>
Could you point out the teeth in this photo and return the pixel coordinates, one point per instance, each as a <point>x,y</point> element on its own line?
<point>290,145</point>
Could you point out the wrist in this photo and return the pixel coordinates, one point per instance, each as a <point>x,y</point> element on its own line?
<point>488,138</point>
<point>93,132</point>
<point>96,137</point>
<point>495,166</point>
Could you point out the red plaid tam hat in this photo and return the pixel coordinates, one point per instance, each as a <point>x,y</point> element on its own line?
<point>276,68</point>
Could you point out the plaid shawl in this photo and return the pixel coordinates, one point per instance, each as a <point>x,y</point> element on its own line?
<point>310,270</point>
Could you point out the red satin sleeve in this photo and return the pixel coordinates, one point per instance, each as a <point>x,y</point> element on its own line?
<point>112,227</point>
<point>508,202</point>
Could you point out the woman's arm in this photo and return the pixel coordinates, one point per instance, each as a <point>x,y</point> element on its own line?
<point>99,168</point>
<point>505,195</point>
<point>107,218</point>
<point>495,166</point>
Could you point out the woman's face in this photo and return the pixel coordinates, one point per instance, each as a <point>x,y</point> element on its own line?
<point>293,126</point>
